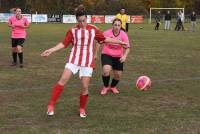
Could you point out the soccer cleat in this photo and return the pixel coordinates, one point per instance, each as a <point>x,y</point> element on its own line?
<point>13,64</point>
<point>50,110</point>
<point>104,90</point>
<point>114,90</point>
<point>82,113</point>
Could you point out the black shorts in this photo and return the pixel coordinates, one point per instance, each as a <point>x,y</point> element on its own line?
<point>17,41</point>
<point>112,61</point>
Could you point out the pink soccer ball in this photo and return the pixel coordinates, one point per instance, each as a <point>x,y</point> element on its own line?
<point>143,83</point>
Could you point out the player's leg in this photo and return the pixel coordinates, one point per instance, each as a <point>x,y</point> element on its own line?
<point>20,55</point>
<point>85,76</point>
<point>127,27</point>
<point>165,25</point>
<point>20,42</point>
<point>117,71</point>
<point>115,81</point>
<point>169,23</point>
<point>107,67</point>
<point>59,86</point>
<point>14,52</point>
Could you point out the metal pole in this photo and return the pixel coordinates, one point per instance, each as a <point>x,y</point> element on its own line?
<point>150,16</point>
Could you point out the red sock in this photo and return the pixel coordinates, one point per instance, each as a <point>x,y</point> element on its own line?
<point>83,101</point>
<point>57,90</point>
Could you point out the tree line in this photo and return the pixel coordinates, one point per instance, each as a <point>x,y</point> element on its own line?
<point>135,7</point>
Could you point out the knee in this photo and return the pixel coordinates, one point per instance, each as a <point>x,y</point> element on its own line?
<point>19,49</point>
<point>106,73</point>
<point>117,76</point>
<point>62,81</point>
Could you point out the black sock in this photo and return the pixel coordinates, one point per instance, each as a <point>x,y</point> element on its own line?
<point>114,82</point>
<point>14,55</point>
<point>20,57</point>
<point>106,80</point>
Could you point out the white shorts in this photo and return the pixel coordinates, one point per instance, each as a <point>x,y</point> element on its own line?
<point>83,71</point>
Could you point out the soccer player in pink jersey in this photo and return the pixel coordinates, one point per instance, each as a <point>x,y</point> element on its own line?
<point>82,37</point>
<point>18,23</point>
<point>113,56</point>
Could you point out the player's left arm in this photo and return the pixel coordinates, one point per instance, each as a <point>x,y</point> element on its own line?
<point>127,48</point>
<point>124,56</point>
<point>26,24</point>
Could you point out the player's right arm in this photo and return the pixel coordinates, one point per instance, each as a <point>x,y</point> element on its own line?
<point>53,49</point>
<point>10,23</point>
<point>61,45</point>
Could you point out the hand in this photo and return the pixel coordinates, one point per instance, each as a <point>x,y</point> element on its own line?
<point>123,43</point>
<point>46,53</point>
<point>22,26</point>
<point>122,59</point>
<point>13,26</point>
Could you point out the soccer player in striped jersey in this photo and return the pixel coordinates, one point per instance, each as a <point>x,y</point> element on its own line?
<point>18,23</point>
<point>113,57</point>
<point>82,37</point>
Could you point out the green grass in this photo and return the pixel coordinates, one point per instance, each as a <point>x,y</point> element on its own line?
<point>171,106</point>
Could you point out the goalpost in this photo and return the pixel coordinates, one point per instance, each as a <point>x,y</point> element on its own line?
<point>164,9</point>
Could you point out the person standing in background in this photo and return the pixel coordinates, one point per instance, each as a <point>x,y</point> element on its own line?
<point>182,20</point>
<point>18,23</point>
<point>178,22</point>
<point>167,20</point>
<point>157,19</point>
<point>124,18</point>
<point>193,21</point>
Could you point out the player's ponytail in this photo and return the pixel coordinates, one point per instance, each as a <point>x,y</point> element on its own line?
<point>80,11</point>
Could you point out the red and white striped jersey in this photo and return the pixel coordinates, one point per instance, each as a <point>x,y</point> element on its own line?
<point>82,52</point>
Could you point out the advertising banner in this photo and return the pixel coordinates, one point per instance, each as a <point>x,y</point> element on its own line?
<point>98,19</point>
<point>28,16</point>
<point>69,19</point>
<point>109,18</point>
<point>5,16</point>
<point>137,19</point>
<point>54,18</point>
<point>39,18</point>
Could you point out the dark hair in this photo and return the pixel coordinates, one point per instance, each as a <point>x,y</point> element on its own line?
<point>17,8</point>
<point>116,19</point>
<point>80,11</point>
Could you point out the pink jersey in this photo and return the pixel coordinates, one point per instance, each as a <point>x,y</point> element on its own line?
<point>115,50</point>
<point>18,31</point>
<point>82,52</point>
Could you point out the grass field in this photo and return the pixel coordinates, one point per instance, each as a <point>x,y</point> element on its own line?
<point>172,106</point>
